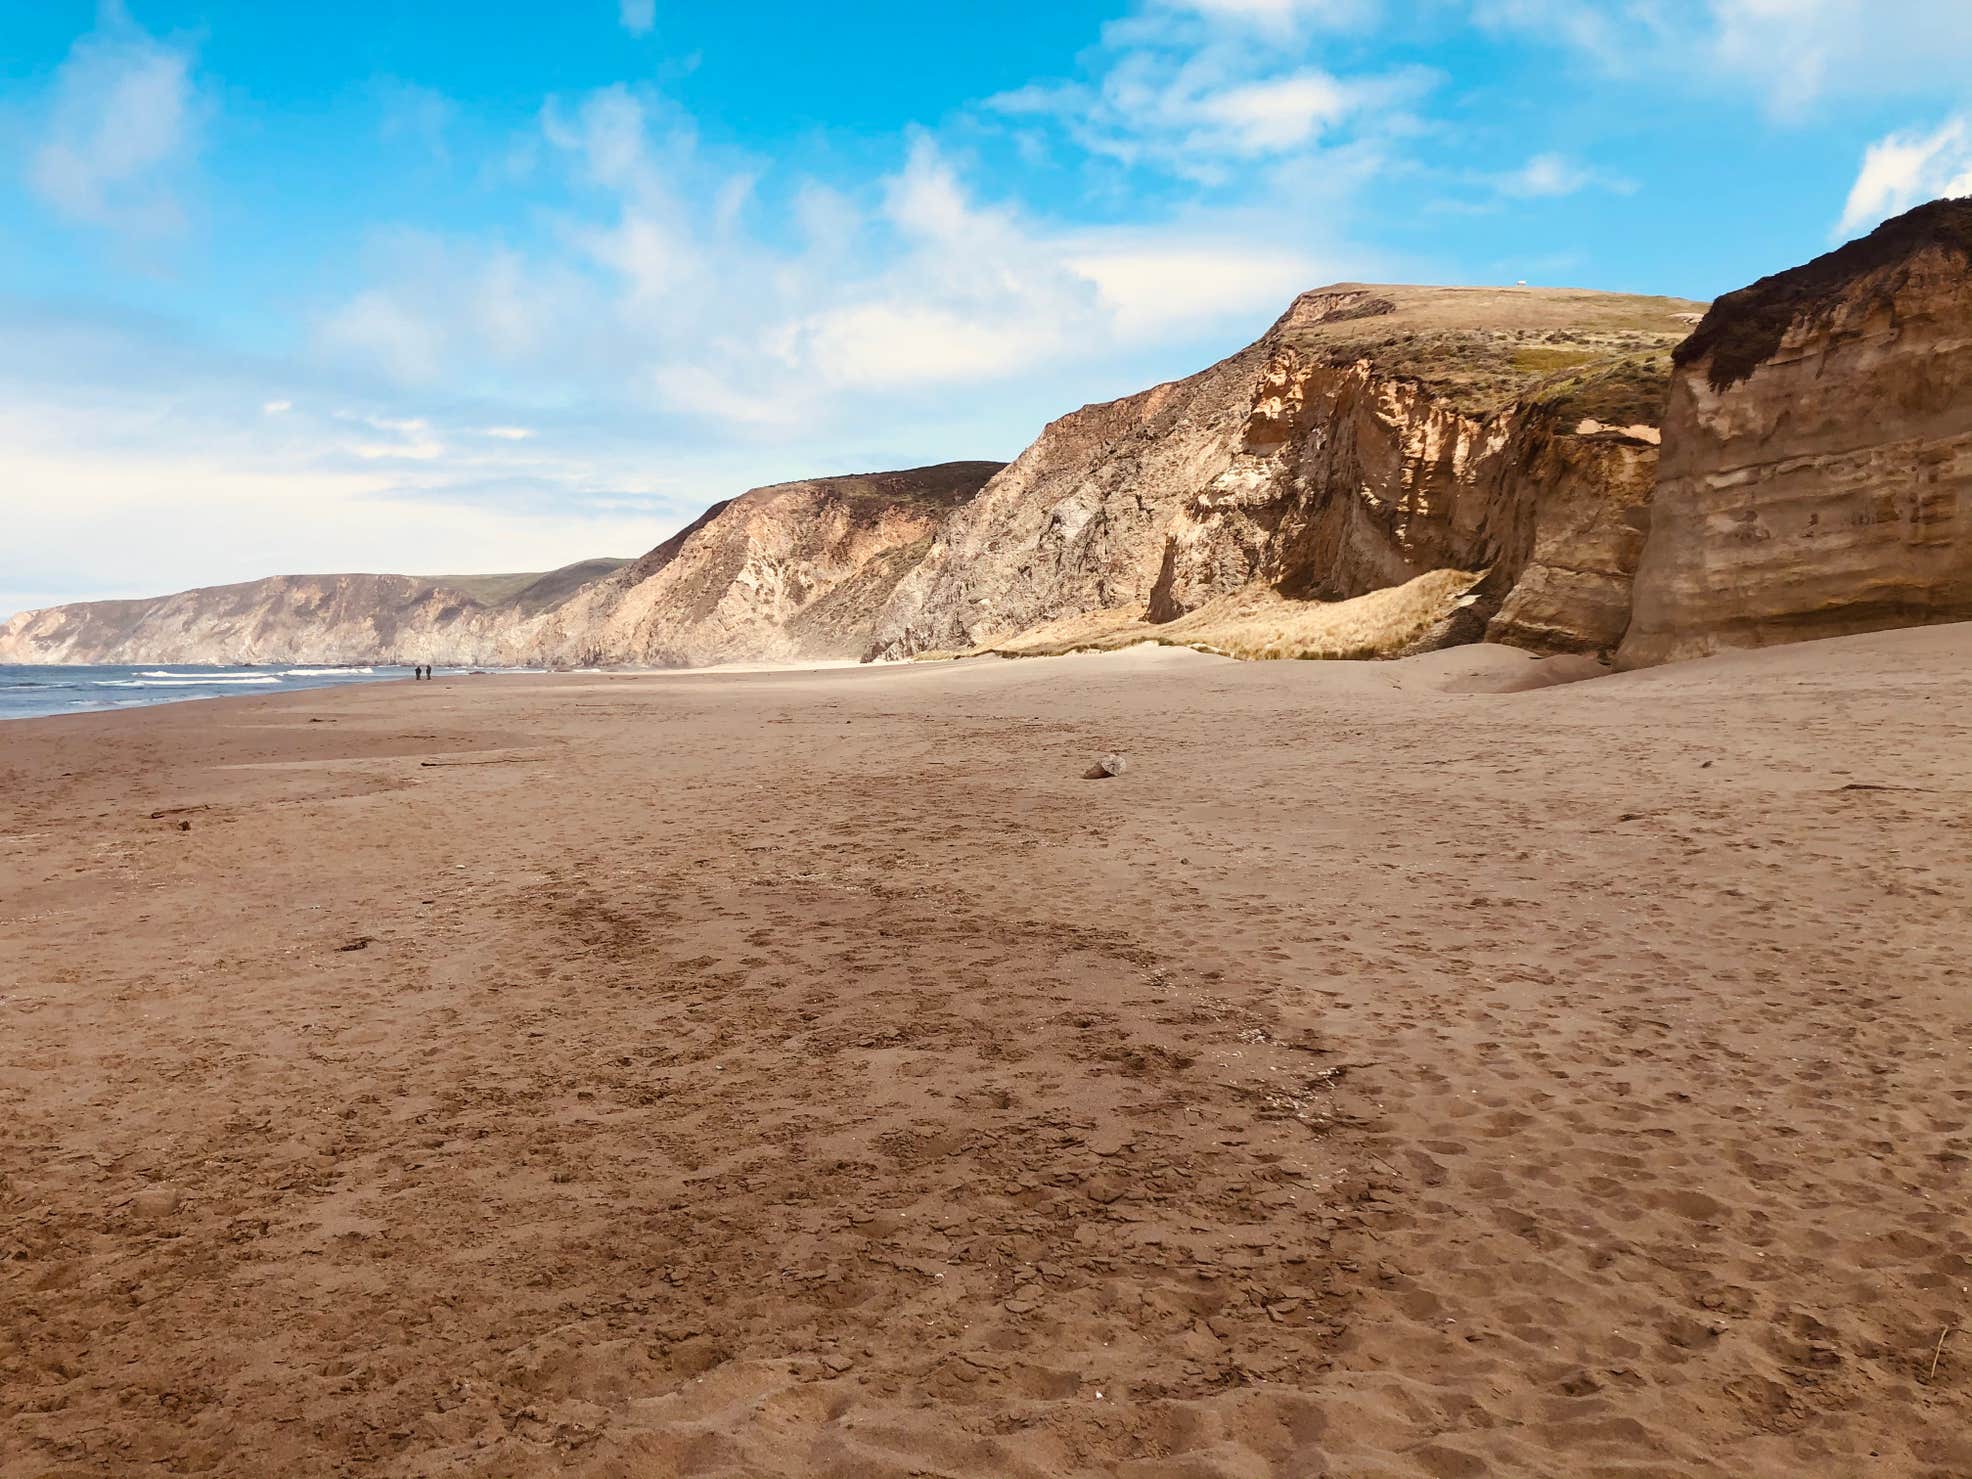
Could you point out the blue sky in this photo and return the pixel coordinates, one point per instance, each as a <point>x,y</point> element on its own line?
<point>438,288</point>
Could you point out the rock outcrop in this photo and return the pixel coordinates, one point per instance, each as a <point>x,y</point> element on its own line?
<point>794,571</point>
<point>303,618</point>
<point>1817,470</point>
<point>1376,434</point>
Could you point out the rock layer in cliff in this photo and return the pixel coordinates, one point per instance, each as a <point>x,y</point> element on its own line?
<point>1374,435</point>
<point>1817,470</point>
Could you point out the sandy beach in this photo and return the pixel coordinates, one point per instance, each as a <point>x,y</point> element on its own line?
<point>1407,1069</point>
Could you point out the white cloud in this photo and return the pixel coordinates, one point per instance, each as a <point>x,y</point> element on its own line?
<point>919,284</point>
<point>1598,27</point>
<point>1907,169</point>
<point>1278,114</point>
<point>166,503</point>
<point>121,119</point>
<point>639,17</point>
<point>1804,50</point>
<point>1280,16</point>
<point>1545,175</point>
<point>1550,176</point>
<point>276,408</point>
<point>1203,102</point>
<point>508,433</point>
<point>1153,285</point>
<point>1792,53</point>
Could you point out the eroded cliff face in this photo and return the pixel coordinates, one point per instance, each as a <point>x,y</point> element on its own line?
<point>794,571</point>
<point>1817,471</point>
<point>1374,435</point>
<point>300,618</point>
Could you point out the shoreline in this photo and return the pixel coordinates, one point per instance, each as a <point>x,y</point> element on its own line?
<point>1402,1068</point>
<point>1493,668</point>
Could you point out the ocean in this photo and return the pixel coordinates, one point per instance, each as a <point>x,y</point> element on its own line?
<point>31,692</point>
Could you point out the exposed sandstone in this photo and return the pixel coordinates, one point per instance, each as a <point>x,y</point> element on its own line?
<point>1817,469</point>
<point>1376,434</point>
<point>797,570</point>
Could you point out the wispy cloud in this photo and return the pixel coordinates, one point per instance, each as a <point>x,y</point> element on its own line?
<point>1550,176</point>
<point>639,17</point>
<point>421,115</point>
<point>1791,54</point>
<point>1904,169</point>
<point>1198,91</point>
<point>1280,17</point>
<point>674,288</point>
<point>118,489</point>
<point>122,118</point>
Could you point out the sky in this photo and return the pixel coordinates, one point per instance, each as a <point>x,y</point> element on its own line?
<point>435,288</point>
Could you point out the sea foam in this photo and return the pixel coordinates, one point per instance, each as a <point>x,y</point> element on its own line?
<point>174,680</point>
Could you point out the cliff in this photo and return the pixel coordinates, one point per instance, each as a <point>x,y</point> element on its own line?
<point>1375,435</point>
<point>1817,471</point>
<point>302,618</point>
<point>794,571</point>
<point>1387,468</point>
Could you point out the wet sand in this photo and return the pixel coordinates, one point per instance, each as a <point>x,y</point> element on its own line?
<point>753,1074</point>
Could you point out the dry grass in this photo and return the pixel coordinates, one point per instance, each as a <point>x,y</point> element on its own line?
<point>1481,350</point>
<point>1257,623</point>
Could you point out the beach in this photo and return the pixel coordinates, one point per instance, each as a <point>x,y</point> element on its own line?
<point>1449,1067</point>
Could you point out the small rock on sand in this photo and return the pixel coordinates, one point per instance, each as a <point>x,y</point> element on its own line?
<point>1107,766</point>
<point>155,1201</point>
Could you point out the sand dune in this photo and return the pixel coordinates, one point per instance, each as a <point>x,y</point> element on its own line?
<point>1391,1074</point>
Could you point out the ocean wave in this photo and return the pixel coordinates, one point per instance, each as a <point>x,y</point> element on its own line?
<point>326,672</point>
<point>209,677</point>
<point>175,681</point>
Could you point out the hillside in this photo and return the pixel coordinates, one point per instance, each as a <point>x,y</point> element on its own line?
<point>796,570</point>
<point>299,618</point>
